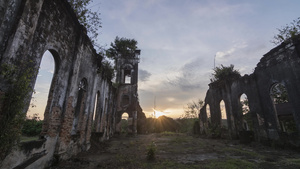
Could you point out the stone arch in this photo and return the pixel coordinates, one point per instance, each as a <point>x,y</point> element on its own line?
<point>80,105</point>
<point>282,107</point>
<point>48,57</point>
<point>127,73</point>
<point>223,113</point>
<point>208,114</point>
<point>244,112</point>
<point>124,123</point>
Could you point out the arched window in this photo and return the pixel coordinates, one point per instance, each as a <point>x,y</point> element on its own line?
<point>223,110</point>
<point>283,108</point>
<point>244,112</point>
<point>127,72</point>
<point>38,111</point>
<point>42,86</point>
<point>82,88</point>
<point>208,112</point>
<point>223,114</point>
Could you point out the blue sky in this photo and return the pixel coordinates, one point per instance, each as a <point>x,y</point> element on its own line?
<point>180,38</point>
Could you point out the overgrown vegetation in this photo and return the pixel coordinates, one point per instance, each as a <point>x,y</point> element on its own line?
<point>122,47</point>
<point>124,126</point>
<point>287,32</point>
<point>13,110</point>
<point>89,19</point>
<point>189,121</point>
<point>32,126</point>
<point>224,74</point>
<point>107,70</point>
<point>151,151</point>
<point>177,150</point>
<point>231,164</point>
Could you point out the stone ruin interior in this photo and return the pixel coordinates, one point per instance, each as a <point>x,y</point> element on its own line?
<point>81,88</point>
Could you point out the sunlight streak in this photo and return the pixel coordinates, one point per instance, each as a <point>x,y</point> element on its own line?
<point>157,113</point>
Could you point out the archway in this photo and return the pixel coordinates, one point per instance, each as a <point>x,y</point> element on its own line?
<point>283,108</point>
<point>127,73</point>
<point>244,111</point>
<point>41,98</point>
<point>42,86</point>
<point>223,114</point>
<point>208,113</point>
<point>124,123</point>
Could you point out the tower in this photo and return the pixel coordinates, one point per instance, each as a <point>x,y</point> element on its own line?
<point>127,98</point>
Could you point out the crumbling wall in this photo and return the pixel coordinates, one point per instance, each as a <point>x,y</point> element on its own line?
<point>28,29</point>
<point>280,65</point>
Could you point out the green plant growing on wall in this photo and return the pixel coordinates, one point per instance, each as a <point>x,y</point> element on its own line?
<point>224,73</point>
<point>107,70</point>
<point>89,19</point>
<point>288,31</point>
<point>13,110</point>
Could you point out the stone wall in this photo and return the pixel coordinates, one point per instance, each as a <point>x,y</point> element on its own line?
<point>28,29</point>
<point>280,65</point>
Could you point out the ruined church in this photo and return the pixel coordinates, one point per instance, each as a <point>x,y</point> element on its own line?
<point>82,101</point>
<point>83,104</point>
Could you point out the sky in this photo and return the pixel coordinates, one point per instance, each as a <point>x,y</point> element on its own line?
<point>182,40</point>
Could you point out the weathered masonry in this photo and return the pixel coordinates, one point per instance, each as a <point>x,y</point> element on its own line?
<point>127,98</point>
<point>271,120</point>
<point>81,100</point>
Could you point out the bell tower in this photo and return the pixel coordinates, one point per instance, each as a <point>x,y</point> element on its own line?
<point>127,98</point>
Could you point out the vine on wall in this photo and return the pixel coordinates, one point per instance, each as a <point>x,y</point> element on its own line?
<point>14,102</point>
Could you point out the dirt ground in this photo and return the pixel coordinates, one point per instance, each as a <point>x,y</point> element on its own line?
<point>180,151</point>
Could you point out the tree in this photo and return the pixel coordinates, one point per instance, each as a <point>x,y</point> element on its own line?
<point>89,19</point>
<point>190,119</point>
<point>287,32</point>
<point>32,126</point>
<point>223,73</point>
<point>192,110</point>
<point>122,47</point>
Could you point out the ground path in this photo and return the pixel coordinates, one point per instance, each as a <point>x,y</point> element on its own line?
<point>180,151</point>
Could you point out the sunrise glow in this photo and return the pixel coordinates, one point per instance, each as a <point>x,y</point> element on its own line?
<point>158,113</point>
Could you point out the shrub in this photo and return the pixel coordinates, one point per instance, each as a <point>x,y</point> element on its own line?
<point>32,127</point>
<point>151,150</point>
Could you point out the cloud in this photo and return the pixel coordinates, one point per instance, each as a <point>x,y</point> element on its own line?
<point>230,52</point>
<point>144,75</point>
<point>187,78</point>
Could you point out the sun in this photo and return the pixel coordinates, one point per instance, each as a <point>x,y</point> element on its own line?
<point>158,113</point>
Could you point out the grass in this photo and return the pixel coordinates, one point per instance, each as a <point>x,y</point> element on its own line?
<point>293,161</point>
<point>242,152</point>
<point>168,133</point>
<point>163,164</point>
<point>174,150</point>
<point>230,164</point>
<point>25,138</point>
